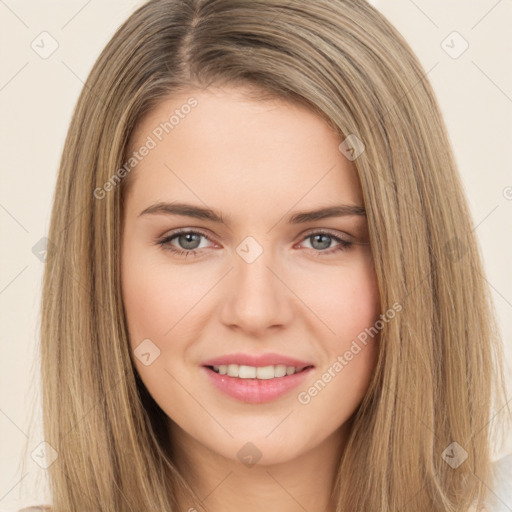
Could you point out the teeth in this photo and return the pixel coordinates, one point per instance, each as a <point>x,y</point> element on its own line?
<point>255,372</point>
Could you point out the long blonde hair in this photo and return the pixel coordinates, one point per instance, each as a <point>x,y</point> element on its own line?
<point>439,362</point>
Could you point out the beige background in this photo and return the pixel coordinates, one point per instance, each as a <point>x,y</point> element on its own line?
<point>37,97</point>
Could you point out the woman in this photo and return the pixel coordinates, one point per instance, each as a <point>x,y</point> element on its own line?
<point>265,290</point>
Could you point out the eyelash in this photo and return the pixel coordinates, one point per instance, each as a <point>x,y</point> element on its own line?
<point>165,243</point>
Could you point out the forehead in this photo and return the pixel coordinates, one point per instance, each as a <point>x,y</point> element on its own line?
<point>221,147</point>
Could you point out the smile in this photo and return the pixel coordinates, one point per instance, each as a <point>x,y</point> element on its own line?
<point>256,372</point>
<point>256,385</point>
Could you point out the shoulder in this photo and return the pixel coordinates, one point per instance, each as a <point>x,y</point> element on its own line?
<point>501,492</point>
<point>500,497</point>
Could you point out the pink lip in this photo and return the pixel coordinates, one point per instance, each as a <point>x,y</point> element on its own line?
<point>256,391</point>
<point>268,359</point>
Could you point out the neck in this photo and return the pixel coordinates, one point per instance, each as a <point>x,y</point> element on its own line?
<point>227,485</point>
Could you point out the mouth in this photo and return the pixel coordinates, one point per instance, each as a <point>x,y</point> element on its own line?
<point>257,372</point>
<point>256,384</point>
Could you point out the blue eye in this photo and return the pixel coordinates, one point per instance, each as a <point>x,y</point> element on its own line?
<point>343,244</point>
<point>184,237</point>
<point>188,240</point>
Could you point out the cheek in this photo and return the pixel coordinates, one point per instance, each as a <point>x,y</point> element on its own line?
<point>146,298</point>
<point>155,298</point>
<point>346,301</point>
<point>156,304</point>
<point>348,305</point>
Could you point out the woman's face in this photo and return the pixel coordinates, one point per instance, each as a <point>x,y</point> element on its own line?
<point>262,293</point>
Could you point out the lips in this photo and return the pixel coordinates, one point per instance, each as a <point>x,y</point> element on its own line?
<point>268,359</point>
<point>256,390</point>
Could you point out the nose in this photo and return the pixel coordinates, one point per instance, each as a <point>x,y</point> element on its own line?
<point>257,297</point>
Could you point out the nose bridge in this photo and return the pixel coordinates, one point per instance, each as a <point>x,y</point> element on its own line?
<point>254,279</point>
<point>257,299</point>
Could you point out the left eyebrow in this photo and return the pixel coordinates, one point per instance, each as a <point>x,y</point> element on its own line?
<point>199,212</point>
<point>342,210</point>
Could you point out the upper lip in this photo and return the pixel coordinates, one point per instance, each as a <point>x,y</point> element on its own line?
<point>268,359</point>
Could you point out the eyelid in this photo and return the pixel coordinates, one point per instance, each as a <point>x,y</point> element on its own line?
<point>175,232</point>
<point>327,231</point>
<point>344,239</point>
<point>343,235</point>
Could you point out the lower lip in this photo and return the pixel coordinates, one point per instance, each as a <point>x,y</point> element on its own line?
<point>256,391</point>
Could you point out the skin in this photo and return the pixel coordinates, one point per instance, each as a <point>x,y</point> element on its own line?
<point>258,163</point>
